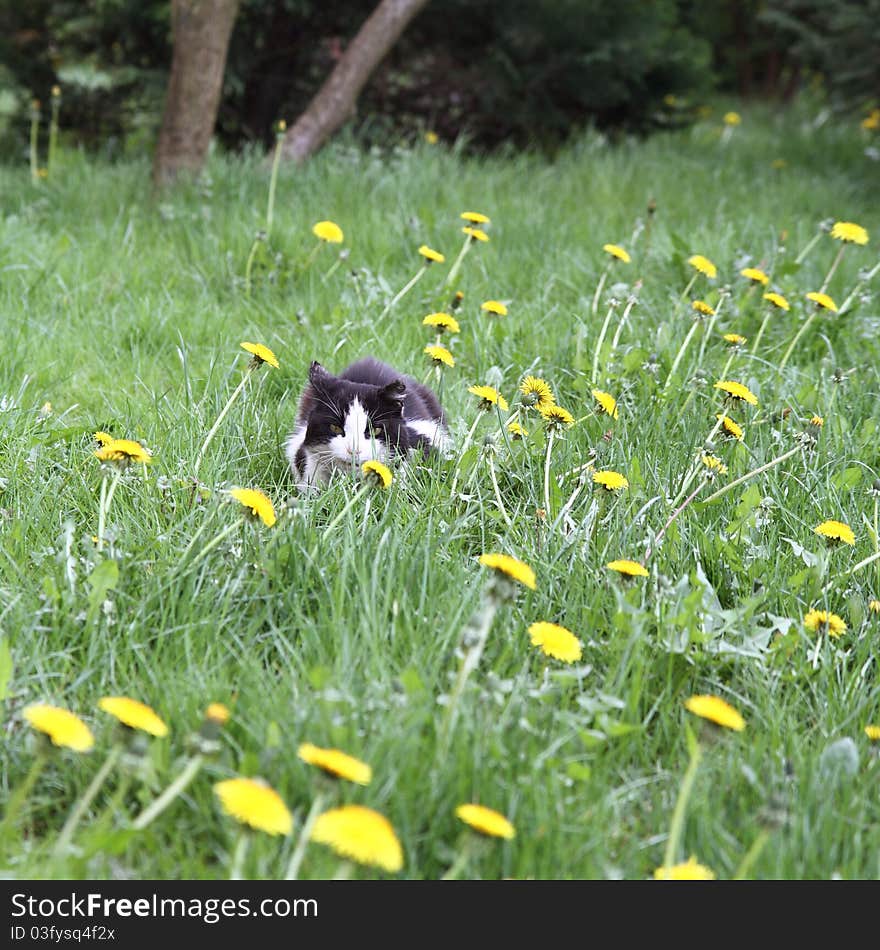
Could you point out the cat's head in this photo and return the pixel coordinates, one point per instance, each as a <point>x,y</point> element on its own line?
<point>349,423</point>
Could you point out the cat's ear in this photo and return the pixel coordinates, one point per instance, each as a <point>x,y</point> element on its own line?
<point>318,375</point>
<point>394,393</point>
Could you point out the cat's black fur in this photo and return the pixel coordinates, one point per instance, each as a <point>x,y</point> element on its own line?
<point>368,411</point>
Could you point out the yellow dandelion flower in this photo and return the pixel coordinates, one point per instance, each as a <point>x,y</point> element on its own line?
<point>713,464</point>
<point>630,568</point>
<point>779,164</point>
<point>489,396</point>
<point>134,714</point>
<point>511,567</point>
<point>702,307</point>
<point>734,339</point>
<point>819,620</point>
<point>124,451</point>
<point>432,138</point>
<point>486,821</point>
<point>737,391</point>
<point>607,403</point>
<point>822,300</point>
<point>439,354</point>
<point>555,641</point>
<point>690,870</point>
<point>328,231</point>
<point>732,118</point>
<point>615,250</point>
<point>380,473</point>
<point>431,255</point>
<point>836,531</point>
<point>755,274</point>
<point>262,354</point>
<point>336,763</point>
<point>361,834</point>
<point>441,322</point>
<point>259,505</point>
<point>536,393</point>
<point>63,727</point>
<point>703,265</point>
<point>873,733</point>
<point>716,710</point>
<point>777,300</point>
<point>874,606</point>
<point>253,802</point>
<point>612,481</point>
<point>494,306</point>
<point>475,234</point>
<point>218,713</point>
<point>557,416</point>
<point>817,421</point>
<point>850,233</point>
<point>103,438</point>
<point>475,217</point>
<point>516,430</point>
<point>871,122</point>
<point>730,427</point>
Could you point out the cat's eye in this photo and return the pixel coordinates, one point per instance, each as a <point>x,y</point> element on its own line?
<point>336,430</point>
<point>379,430</point>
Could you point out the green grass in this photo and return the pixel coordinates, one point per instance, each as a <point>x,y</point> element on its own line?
<point>126,313</point>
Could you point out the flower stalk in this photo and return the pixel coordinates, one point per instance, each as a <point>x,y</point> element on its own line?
<point>82,805</point>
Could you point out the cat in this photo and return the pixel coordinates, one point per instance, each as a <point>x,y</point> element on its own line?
<point>369,411</point>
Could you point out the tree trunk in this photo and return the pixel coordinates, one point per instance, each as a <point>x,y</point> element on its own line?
<point>336,99</point>
<point>200,35</point>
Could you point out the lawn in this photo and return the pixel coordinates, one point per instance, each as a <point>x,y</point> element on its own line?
<point>346,624</point>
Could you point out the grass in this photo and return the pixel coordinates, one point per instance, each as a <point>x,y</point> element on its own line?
<point>126,314</point>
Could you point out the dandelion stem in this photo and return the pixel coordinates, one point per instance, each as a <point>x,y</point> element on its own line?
<point>206,550</point>
<point>797,336</point>
<point>498,499</point>
<point>159,805</point>
<point>104,504</point>
<point>832,269</point>
<point>752,855</point>
<point>674,515</point>
<point>258,240</point>
<point>458,865</point>
<point>464,447</point>
<point>453,271</point>
<point>303,840</point>
<point>82,805</point>
<point>599,343</point>
<point>624,317</point>
<point>550,437</point>
<point>684,793</point>
<point>340,515</point>
<point>760,333</point>
<point>236,868</point>
<point>855,291</point>
<point>680,354</point>
<point>219,421</point>
<point>809,247</point>
<point>748,475</point>
<point>404,290</point>
<point>20,795</point>
<point>687,289</point>
<point>307,263</point>
<point>273,181</point>
<point>692,474</point>
<point>594,306</point>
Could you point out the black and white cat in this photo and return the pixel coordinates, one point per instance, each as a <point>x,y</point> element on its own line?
<point>369,411</point>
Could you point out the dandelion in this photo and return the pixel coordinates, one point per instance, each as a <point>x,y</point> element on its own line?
<point>328,231</point>
<point>555,641</point>
<point>134,715</point>
<point>123,452</point>
<point>361,834</point>
<point>730,427</point>
<point>489,397</point>
<point>734,339</point>
<point>439,354</point>
<point>756,275</point>
<point>873,733</point>
<point>472,236</point>
<point>475,234</point>
<point>849,233</point>
<point>836,531</point>
<point>486,821</point>
<point>475,217</point>
<point>716,710</point>
<point>261,354</point>
<point>431,255</point>
<point>822,301</point>
<point>511,567</point>
<point>617,252</point>
<point>690,870</point>
<point>431,137</point>
<point>777,300</point>
<point>64,728</point>
<point>516,430</point>
<point>628,568</point>
<point>825,621</point>
<point>737,391</point>
<point>557,417</point>
<point>732,118</point>
<point>441,322</point>
<point>817,421</point>
<point>379,473</point>
<point>336,763</point>
<point>256,502</point>
<point>703,265</point>
<point>494,306</point>
<point>871,122</point>
<point>102,438</point>
<point>701,307</point>
<point>607,403</point>
<point>536,393</point>
<point>611,481</point>
<point>714,465</point>
<point>874,606</point>
<point>254,804</point>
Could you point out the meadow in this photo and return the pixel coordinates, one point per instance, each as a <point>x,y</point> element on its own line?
<point>362,619</point>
